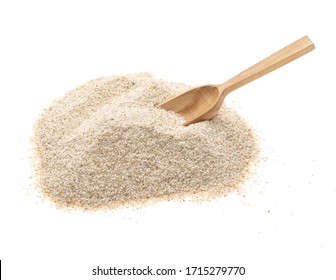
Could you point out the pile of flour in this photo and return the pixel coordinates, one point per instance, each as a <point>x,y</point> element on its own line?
<point>106,144</point>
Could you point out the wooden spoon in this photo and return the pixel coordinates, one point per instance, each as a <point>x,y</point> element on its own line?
<point>202,103</point>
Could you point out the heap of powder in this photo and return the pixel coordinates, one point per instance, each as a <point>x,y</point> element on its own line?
<point>106,144</point>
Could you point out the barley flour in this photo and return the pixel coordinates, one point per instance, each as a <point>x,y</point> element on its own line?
<point>106,144</point>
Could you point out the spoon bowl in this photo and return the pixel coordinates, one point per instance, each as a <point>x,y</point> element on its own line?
<point>198,103</point>
<point>202,103</point>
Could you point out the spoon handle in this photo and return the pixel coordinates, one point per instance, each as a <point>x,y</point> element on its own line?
<point>273,62</point>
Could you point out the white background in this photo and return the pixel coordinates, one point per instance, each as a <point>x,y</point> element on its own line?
<point>281,227</point>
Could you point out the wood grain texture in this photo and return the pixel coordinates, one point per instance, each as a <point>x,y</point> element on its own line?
<point>202,103</point>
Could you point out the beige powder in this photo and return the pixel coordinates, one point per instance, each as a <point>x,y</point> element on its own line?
<point>106,144</point>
